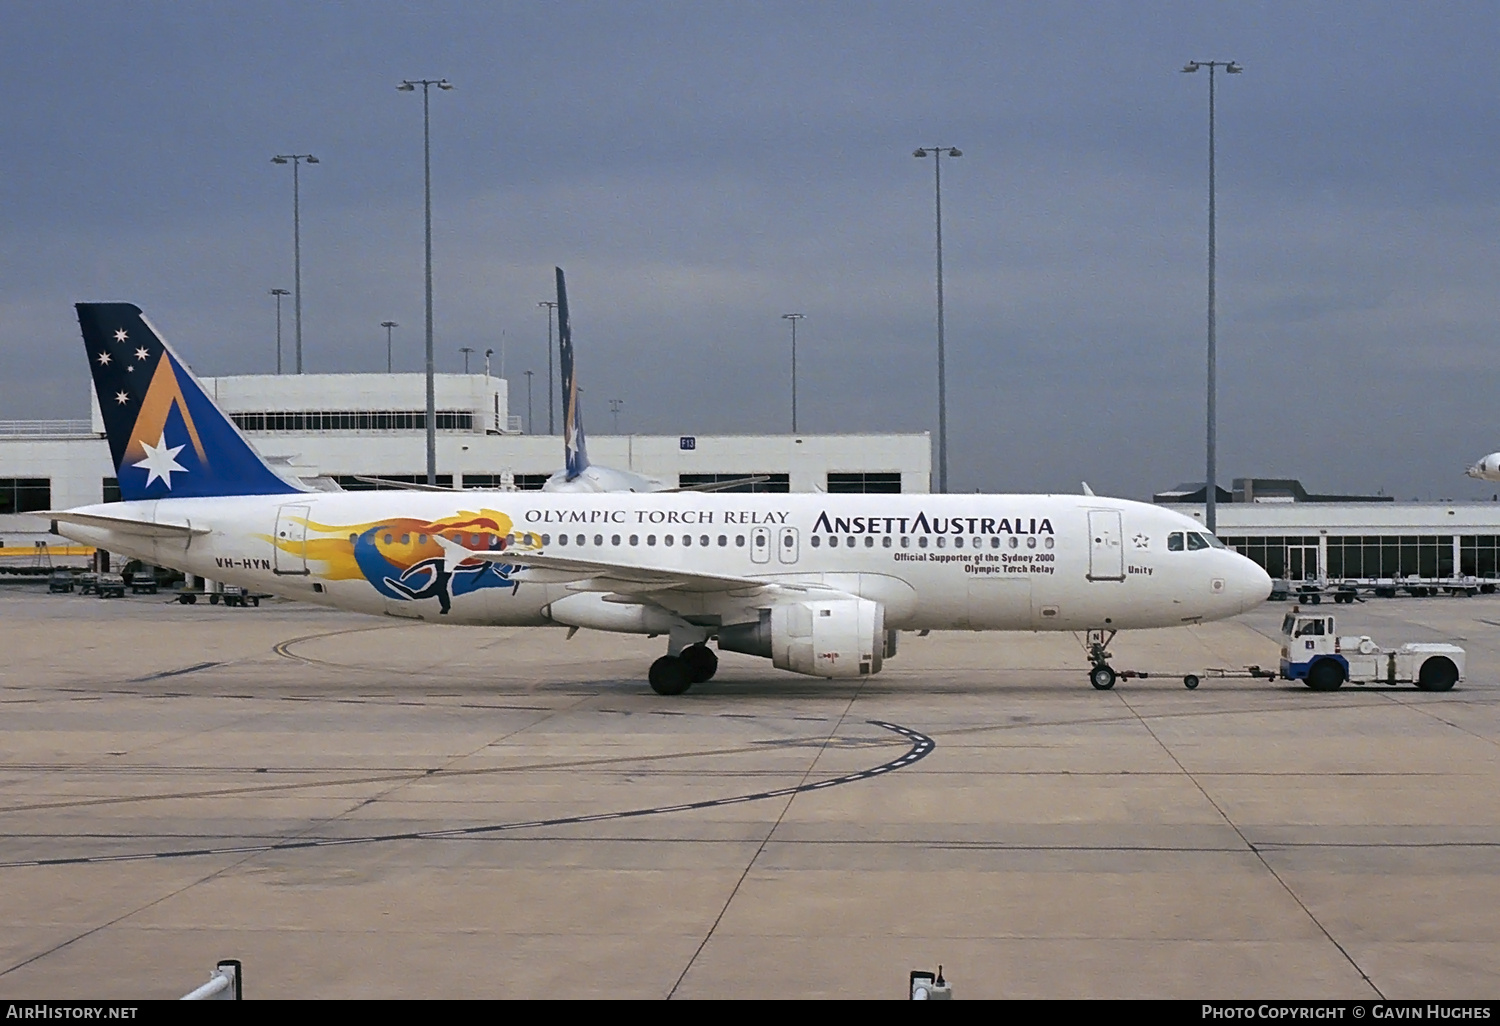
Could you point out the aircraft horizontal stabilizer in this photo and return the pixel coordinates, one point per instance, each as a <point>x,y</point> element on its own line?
<point>125,525</point>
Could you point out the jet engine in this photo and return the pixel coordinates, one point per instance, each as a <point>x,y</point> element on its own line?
<point>843,637</point>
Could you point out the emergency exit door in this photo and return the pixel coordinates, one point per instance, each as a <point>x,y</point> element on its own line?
<point>289,553</point>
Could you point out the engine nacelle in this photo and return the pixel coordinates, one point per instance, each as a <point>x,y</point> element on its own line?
<point>589,609</point>
<point>842,637</point>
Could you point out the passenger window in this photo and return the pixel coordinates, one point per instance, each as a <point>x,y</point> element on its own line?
<point>421,539</point>
<point>580,539</point>
<point>905,541</point>
<point>994,543</point>
<point>1031,542</point>
<point>668,539</point>
<point>849,542</point>
<point>886,541</point>
<point>599,539</point>
<point>703,540</point>
<point>723,541</point>
<point>921,541</point>
<point>406,539</point>
<point>958,543</point>
<point>786,542</point>
<point>817,540</point>
<point>546,539</point>
<point>869,541</point>
<point>687,539</point>
<point>1195,541</point>
<point>650,539</point>
<point>615,540</point>
<point>562,539</point>
<point>1174,541</point>
<point>739,541</point>
<point>1013,541</point>
<point>1048,542</point>
<point>635,539</point>
<point>942,541</point>
<point>978,543</point>
<point>388,539</point>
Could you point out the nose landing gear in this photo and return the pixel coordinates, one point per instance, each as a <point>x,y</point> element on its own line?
<point>1101,674</point>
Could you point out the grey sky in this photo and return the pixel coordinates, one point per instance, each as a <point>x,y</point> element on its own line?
<point>700,169</point>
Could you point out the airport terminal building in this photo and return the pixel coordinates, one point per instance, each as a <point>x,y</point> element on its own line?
<point>329,430</point>
<point>1299,536</point>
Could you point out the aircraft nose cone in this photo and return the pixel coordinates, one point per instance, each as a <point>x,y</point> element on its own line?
<point>1254,584</point>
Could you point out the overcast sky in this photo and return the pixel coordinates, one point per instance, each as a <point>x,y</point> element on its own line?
<point>699,169</point>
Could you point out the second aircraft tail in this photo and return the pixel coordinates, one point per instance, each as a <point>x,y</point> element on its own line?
<point>573,442</point>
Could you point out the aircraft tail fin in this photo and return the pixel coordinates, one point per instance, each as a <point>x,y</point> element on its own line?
<point>167,438</point>
<point>573,441</point>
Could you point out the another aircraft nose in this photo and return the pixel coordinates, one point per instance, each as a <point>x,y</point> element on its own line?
<point>1252,584</point>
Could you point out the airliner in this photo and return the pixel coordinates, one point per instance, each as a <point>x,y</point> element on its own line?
<point>818,584</point>
<point>1487,469</point>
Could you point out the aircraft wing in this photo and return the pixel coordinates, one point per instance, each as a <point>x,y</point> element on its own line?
<point>630,579</point>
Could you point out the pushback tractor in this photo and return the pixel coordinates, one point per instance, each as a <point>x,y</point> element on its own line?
<point>1313,652</point>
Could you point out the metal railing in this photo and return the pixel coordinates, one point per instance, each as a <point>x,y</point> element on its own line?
<point>35,428</point>
<point>224,984</point>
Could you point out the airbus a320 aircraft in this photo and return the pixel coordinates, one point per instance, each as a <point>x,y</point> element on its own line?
<point>818,584</point>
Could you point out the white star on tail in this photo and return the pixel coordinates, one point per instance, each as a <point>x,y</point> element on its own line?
<point>141,353</point>
<point>104,359</point>
<point>120,335</point>
<point>122,398</point>
<point>160,461</point>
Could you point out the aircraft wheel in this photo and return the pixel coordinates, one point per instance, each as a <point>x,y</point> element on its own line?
<point>670,676</point>
<point>1190,682</point>
<point>1102,677</point>
<point>1437,674</point>
<point>1326,675</point>
<point>701,663</point>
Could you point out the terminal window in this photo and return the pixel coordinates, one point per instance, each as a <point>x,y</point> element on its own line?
<point>25,494</point>
<point>1477,555</point>
<point>522,482</point>
<point>389,482</point>
<point>352,420</point>
<point>863,483</point>
<point>772,482</point>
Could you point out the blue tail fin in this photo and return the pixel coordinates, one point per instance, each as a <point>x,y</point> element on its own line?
<point>166,437</point>
<point>573,444</point>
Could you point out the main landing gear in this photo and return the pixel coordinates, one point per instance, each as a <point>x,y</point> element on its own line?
<point>1101,674</point>
<point>672,675</point>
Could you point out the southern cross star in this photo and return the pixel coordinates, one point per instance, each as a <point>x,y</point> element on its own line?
<point>103,359</point>
<point>160,461</point>
<point>141,353</point>
<point>122,398</point>
<point>120,335</point>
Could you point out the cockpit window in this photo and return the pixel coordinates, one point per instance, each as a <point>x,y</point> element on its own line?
<point>1174,541</point>
<point>1215,542</point>
<point>1196,541</point>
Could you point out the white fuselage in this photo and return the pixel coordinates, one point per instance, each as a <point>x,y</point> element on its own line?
<point>939,562</point>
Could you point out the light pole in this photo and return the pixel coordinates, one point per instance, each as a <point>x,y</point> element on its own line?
<point>1211,486</point>
<point>296,159</point>
<point>794,318</point>
<point>937,153</point>
<point>409,86</point>
<point>278,293</point>
<point>551,305</point>
<point>466,350</point>
<point>528,401</point>
<point>388,325</point>
<point>614,408</point>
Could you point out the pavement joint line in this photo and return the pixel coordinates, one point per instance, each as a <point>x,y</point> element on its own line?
<point>803,786</point>
<point>922,746</point>
<point>1259,854</point>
